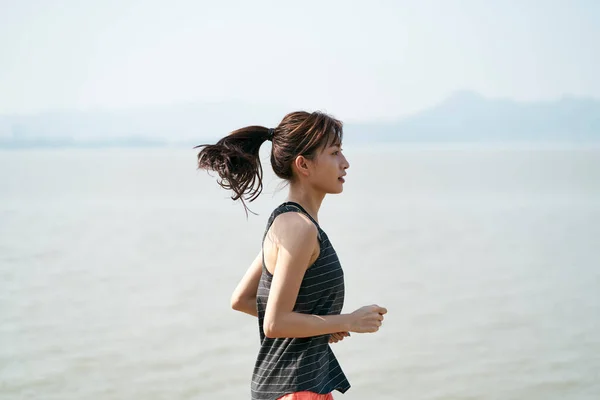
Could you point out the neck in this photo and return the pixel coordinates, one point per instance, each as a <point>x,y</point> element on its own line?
<point>307,197</point>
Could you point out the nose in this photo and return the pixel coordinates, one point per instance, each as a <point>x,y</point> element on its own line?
<point>345,163</point>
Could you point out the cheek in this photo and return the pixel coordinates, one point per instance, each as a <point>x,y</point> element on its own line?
<point>322,173</point>
<point>329,168</point>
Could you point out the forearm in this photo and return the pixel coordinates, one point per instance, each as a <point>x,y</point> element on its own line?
<point>298,325</point>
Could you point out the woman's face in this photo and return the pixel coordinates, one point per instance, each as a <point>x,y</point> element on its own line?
<point>328,168</point>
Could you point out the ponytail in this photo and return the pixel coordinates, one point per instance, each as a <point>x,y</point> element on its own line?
<point>236,159</point>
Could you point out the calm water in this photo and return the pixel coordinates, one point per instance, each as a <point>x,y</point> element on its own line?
<point>116,268</point>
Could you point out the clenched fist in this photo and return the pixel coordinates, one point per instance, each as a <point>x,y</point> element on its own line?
<point>367,319</point>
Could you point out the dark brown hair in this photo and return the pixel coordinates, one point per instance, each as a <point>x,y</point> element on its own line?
<point>236,156</point>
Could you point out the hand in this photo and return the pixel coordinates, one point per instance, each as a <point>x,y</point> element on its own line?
<point>367,319</point>
<point>337,337</point>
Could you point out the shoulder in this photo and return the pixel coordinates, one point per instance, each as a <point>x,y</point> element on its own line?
<point>294,222</point>
<point>294,228</point>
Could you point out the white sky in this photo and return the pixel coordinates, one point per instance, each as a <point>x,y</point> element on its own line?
<point>357,60</point>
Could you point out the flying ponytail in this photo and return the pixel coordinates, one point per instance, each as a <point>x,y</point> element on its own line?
<point>236,159</point>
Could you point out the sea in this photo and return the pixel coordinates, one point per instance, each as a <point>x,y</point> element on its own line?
<point>117,267</point>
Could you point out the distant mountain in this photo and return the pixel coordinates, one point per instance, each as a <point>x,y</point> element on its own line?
<point>470,117</point>
<point>462,117</point>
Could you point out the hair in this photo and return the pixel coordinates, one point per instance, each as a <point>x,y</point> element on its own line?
<point>236,156</point>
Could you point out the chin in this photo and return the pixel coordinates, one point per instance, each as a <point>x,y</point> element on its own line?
<point>337,190</point>
<point>333,189</point>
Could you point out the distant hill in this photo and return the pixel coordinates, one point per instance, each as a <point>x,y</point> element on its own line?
<point>462,117</point>
<point>470,117</point>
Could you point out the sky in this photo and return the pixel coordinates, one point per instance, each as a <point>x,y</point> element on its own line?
<point>367,60</point>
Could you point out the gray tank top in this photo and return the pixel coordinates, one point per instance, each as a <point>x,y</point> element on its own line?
<point>287,365</point>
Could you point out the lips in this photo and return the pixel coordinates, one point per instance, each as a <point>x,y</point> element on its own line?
<point>341,178</point>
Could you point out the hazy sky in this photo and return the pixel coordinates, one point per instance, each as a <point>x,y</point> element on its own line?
<point>358,60</point>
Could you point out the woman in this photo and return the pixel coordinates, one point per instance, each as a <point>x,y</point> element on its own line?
<point>295,286</point>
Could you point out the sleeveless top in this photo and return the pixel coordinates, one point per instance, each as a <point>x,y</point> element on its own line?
<point>287,365</point>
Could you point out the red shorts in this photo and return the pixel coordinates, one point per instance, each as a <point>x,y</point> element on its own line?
<point>306,396</point>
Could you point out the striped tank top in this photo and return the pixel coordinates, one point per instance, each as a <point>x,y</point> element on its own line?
<point>287,365</point>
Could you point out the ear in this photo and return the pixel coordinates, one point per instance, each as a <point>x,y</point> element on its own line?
<point>302,165</point>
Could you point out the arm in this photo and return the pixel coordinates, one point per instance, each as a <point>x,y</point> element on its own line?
<point>244,296</point>
<point>296,241</point>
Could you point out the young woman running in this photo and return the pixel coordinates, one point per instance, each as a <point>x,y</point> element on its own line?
<point>295,286</point>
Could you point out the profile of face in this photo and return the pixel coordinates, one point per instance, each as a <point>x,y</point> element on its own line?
<point>326,170</point>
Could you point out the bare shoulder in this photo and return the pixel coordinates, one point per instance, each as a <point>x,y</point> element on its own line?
<point>291,241</point>
<point>295,234</point>
<point>294,227</point>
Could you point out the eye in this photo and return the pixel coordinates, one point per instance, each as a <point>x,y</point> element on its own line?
<point>335,153</point>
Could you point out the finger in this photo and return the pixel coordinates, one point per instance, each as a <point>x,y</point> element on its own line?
<point>382,310</point>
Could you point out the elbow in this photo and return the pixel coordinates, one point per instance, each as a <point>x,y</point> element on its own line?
<point>236,302</point>
<point>271,328</point>
<point>243,303</point>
